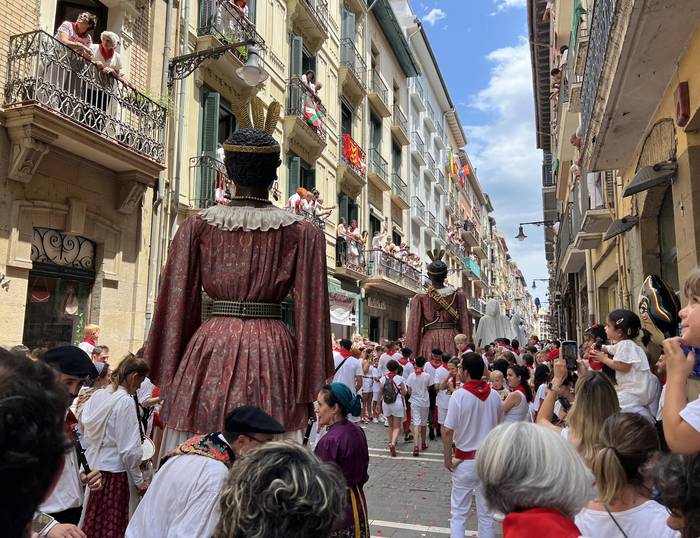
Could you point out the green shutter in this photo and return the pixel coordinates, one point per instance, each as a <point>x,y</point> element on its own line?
<point>294,179</point>
<point>297,52</point>
<point>343,210</point>
<point>210,123</point>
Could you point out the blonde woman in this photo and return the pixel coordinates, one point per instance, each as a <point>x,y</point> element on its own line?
<point>596,400</point>
<point>91,335</point>
<point>111,432</point>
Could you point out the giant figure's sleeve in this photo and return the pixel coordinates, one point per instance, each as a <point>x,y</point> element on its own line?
<point>314,364</point>
<point>414,330</point>
<point>178,311</point>
<point>465,319</point>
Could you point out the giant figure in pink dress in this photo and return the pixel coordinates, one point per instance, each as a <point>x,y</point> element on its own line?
<point>438,315</point>
<point>248,257</point>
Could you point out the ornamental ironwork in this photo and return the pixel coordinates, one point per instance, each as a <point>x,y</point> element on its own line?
<point>219,18</point>
<point>352,58</point>
<point>301,102</point>
<point>213,186</point>
<point>391,268</point>
<point>43,71</point>
<point>66,250</point>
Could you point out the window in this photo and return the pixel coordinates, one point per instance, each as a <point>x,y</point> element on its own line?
<point>396,237</point>
<point>301,174</point>
<point>375,225</point>
<point>375,132</point>
<point>396,155</point>
<point>348,28</point>
<point>394,329</point>
<point>347,208</point>
<point>218,122</point>
<point>374,324</point>
<point>345,119</point>
<point>668,253</point>
<point>69,11</point>
<point>301,60</point>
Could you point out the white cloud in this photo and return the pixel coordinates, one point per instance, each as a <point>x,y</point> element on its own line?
<point>503,150</point>
<point>505,4</point>
<point>434,15</point>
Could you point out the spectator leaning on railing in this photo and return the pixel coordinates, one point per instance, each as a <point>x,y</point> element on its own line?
<point>76,35</point>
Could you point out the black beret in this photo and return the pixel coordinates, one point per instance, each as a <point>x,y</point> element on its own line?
<point>251,419</point>
<point>71,360</point>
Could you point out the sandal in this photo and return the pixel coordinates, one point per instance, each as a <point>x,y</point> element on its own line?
<point>415,451</point>
<point>392,450</point>
<point>424,447</point>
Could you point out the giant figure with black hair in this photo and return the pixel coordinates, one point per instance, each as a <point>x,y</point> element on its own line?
<point>247,256</point>
<point>439,314</point>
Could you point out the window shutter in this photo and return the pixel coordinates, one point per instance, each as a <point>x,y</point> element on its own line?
<point>251,9</point>
<point>210,123</point>
<point>610,188</point>
<point>297,52</point>
<point>347,24</point>
<point>343,207</point>
<point>294,174</point>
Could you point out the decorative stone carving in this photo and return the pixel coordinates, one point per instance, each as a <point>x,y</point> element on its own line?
<point>29,145</point>
<point>131,190</point>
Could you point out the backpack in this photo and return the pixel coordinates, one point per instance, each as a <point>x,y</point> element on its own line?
<point>389,391</point>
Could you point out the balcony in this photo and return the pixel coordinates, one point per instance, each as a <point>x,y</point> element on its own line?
<point>569,259</point>
<point>452,206</point>
<point>309,19</point>
<point>441,183</point>
<point>595,219</point>
<point>352,72</point>
<point>308,216</point>
<point>470,235</point>
<point>391,275</point>
<point>417,94</point>
<point>399,126</point>
<point>351,260</point>
<point>55,98</point>
<point>475,306</point>
<point>632,57</point>
<point>431,221</point>
<point>480,250</point>
<point>581,53</point>
<point>440,137</point>
<point>304,121</point>
<point>429,166</point>
<point>471,266</point>
<point>378,95</point>
<point>220,24</point>
<point>429,118</point>
<point>352,166</point>
<point>418,211</point>
<point>399,191</point>
<point>418,148</point>
<point>455,250</point>
<point>377,172</point>
<point>210,182</point>
<point>441,235</point>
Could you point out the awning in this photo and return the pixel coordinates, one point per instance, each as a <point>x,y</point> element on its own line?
<point>341,309</point>
<point>651,176</point>
<point>621,226</point>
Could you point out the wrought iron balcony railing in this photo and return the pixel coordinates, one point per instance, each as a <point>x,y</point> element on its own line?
<point>601,24</point>
<point>417,87</point>
<point>399,186</point>
<point>418,208</point>
<point>391,268</point>
<point>351,254</point>
<point>441,232</point>
<point>400,118</point>
<point>431,221</point>
<point>219,18</point>
<point>429,111</point>
<point>430,164</point>
<point>377,164</point>
<point>455,249</point>
<point>377,86</point>
<point>475,305</point>
<point>307,215</point>
<point>319,8</point>
<point>417,142</point>
<point>306,106</point>
<point>352,58</point>
<point>212,185</point>
<point>43,71</point>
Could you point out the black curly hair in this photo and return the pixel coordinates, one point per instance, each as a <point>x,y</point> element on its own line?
<point>32,438</point>
<point>252,169</point>
<point>677,481</point>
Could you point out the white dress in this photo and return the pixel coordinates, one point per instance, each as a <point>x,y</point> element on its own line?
<point>648,520</point>
<point>520,412</point>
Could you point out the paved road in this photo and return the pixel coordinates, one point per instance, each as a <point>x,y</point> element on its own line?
<point>408,497</point>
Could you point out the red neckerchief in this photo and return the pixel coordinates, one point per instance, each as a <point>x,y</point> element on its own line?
<point>390,375</point>
<point>403,361</point>
<point>436,363</point>
<point>69,425</point>
<point>75,29</point>
<point>392,353</point>
<point>521,389</point>
<point>345,353</point>
<point>480,389</point>
<point>539,523</point>
<point>419,371</point>
<point>444,365</point>
<point>90,341</point>
<point>106,54</point>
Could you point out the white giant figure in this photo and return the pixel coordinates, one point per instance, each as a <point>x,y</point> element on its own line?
<point>493,325</point>
<point>519,330</point>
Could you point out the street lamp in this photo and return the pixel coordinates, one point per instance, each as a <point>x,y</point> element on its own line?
<point>521,233</point>
<point>535,280</point>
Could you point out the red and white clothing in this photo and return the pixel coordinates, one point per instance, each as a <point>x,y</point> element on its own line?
<point>87,346</point>
<point>473,412</point>
<point>71,30</point>
<point>635,389</point>
<point>113,60</point>
<point>68,492</point>
<point>349,371</point>
<point>398,407</point>
<point>442,399</point>
<point>408,368</point>
<point>384,359</point>
<point>419,382</point>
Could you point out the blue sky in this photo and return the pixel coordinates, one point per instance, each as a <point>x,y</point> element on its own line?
<point>482,50</point>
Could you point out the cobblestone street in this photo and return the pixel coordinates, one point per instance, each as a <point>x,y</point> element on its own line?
<point>408,497</point>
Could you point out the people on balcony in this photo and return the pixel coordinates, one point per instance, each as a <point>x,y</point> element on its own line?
<point>106,57</point>
<point>76,35</point>
<point>309,80</point>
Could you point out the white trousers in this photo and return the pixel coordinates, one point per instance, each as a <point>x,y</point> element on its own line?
<point>465,483</point>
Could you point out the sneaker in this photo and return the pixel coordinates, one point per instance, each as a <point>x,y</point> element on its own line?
<point>386,423</point>
<point>375,420</point>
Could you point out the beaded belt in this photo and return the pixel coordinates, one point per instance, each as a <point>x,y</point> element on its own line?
<point>244,309</point>
<point>440,326</point>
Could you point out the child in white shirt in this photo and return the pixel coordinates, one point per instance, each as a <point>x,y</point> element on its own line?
<point>395,410</point>
<point>418,383</point>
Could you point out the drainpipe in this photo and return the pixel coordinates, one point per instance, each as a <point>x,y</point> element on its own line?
<point>155,244</point>
<point>590,288</point>
<point>182,87</point>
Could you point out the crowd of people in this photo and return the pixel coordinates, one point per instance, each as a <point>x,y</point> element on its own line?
<point>309,203</point>
<point>604,445</point>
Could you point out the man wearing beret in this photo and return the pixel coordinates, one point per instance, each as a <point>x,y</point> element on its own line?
<point>182,500</point>
<point>65,504</point>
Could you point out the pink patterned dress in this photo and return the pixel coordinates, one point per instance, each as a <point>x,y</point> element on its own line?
<point>207,369</point>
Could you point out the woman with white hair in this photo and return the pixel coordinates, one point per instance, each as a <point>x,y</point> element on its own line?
<point>108,61</point>
<point>535,478</point>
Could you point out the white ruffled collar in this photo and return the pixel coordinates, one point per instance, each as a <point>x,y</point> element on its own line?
<point>446,291</point>
<point>248,218</point>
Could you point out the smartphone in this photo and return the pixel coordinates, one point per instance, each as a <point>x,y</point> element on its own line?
<point>569,351</point>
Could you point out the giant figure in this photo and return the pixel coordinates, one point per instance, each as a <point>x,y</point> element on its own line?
<point>247,256</point>
<point>437,315</point>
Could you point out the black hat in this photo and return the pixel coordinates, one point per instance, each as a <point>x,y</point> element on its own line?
<point>437,267</point>
<point>71,360</point>
<point>251,419</point>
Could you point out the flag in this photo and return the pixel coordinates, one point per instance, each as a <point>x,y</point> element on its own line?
<point>311,111</point>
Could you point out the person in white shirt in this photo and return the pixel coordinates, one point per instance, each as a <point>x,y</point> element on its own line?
<point>624,505</point>
<point>91,335</point>
<point>405,371</point>
<point>393,393</point>
<point>65,503</point>
<point>441,379</point>
<point>636,388</point>
<point>182,501</point>
<point>474,410</point>
<point>376,390</point>
<point>434,362</point>
<point>517,404</point>
<point>391,353</point>
<point>111,429</point>
<point>417,384</point>
<point>348,370</point>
